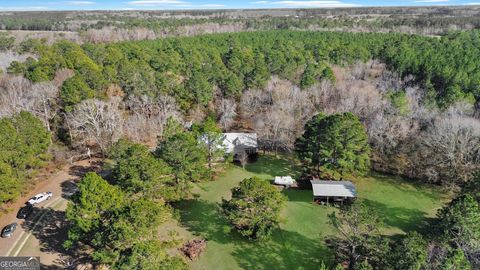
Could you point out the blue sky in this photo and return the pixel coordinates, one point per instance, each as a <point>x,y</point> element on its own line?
<point>8,5</point>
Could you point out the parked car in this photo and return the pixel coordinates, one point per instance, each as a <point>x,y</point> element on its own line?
<point>70,188</point>
<point>8,230</point>
<point>25,211</point>
<point>40,198</point>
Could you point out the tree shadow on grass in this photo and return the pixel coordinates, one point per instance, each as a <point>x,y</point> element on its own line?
<point>204,219</point>
<point>285,250</point>
<point>298,195</point>
<point>406,219</point>
<point>274,166</point>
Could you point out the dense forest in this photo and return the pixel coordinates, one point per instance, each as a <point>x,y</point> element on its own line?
<point>232,76</point>
<point>191,68</point>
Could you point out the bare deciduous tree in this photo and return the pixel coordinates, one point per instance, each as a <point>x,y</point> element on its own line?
<point>148,117</point>
<point>13,95</point>
<point>18,94</point>
<point>389,138</point>
<point>62,75</point>
<point>322,94</point>
<point>449,149</point>
<point>7,57</point>
<point>242,157</point>
<point>278,113</point>
<point>112,34</point>
<point>359,70</point>
<point>45,106</point>
<point>274,128</point>
<point>227,113</point>
<point>253,101</point>
<point>95,122</point>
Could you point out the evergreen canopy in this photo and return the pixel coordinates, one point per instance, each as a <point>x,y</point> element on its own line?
<point>334,145</point>
<point>254,209</point>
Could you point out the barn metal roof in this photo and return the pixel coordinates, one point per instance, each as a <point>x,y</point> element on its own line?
<point>333,188</point>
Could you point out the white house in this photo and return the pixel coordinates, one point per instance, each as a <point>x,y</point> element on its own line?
<point>236,142</point>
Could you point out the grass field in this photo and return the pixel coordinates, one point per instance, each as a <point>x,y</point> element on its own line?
<point>298,244</point>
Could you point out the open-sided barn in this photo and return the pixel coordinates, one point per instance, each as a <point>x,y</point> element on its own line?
<point>333,191</point>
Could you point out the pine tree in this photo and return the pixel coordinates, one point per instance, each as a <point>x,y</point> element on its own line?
<point>335,145</point>
<point>254,209</point>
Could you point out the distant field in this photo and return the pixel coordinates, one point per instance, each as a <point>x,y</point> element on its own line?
<point>298,243</point>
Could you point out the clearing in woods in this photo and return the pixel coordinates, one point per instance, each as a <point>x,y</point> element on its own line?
<point>299,243</point>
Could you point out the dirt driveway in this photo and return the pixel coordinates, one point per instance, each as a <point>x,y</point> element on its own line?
<point>43,232</point>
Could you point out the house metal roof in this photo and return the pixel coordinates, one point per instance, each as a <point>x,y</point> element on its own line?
<point>234,141</point>
<point>333,189</point>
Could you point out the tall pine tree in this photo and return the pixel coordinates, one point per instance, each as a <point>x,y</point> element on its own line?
<point>334,145</point>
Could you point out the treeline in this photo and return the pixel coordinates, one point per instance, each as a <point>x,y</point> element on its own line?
<point>191,69</point>
<point>33,21</point>
<point>24,142</point>
<point>428,25</point>
<point>423,25</point>
<point>422,20</point>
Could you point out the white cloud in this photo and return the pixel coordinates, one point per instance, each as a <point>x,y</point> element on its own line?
<point>431,1</point>
<point>172,4</point>
<point>26,8</point>
<point>152,3</point>
<point>320,4</point>
<point>472,4</point>
<point>213,5</point>
<point>80,3</point>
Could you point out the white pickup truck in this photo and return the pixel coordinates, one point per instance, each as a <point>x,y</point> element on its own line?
<point>40,198</point>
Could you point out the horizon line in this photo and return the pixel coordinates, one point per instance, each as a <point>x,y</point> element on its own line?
<point>444,5</point>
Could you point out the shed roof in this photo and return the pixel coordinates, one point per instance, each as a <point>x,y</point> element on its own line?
<point>283,180</point>
<point>333,188</point>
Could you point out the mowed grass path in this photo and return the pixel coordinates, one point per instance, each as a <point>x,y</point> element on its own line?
<point>298,244</point>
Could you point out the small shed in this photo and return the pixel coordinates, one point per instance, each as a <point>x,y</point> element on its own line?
<point>284,180</point>
<point>333,191</point>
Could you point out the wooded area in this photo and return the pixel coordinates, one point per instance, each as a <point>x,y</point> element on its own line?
<point>109,26</point>
<point>272,82</point>
<point>189,68</point>
<point>345,103</point>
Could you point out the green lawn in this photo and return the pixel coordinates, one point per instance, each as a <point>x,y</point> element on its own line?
<point>298,243</point>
